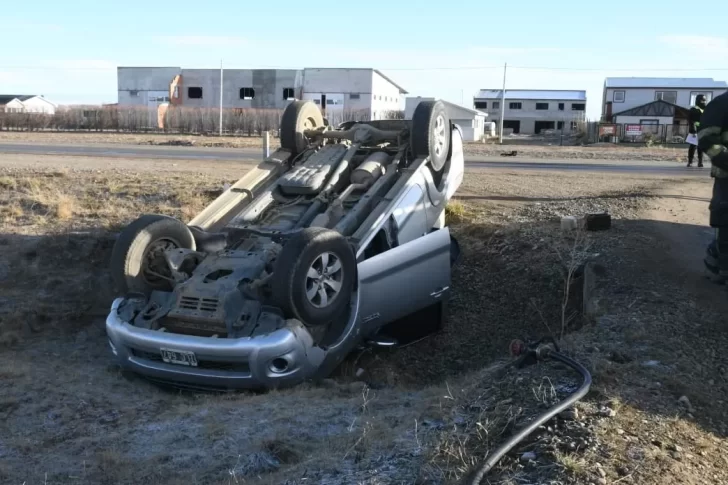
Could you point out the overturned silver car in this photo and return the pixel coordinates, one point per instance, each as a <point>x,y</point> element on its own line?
<point>332,240</point>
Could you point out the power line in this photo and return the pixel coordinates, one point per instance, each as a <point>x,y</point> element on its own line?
<point>431,68</point>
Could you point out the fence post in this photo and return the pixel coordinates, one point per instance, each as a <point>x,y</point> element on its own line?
<point>266,144</point>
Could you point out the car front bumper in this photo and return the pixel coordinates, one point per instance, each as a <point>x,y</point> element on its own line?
<point>243,363</point>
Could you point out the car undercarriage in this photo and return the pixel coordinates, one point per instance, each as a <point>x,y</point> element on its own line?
<point>276,280</point>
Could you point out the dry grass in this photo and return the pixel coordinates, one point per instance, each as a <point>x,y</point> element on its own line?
<point>431,411</point>
<point>51,204</point>
<point>457,212</point>
<point>574,465</point>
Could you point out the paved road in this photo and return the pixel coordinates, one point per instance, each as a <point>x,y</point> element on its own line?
<point>253,154</point>
<point>134,151</point>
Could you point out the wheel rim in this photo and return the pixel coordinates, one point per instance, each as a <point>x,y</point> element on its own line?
<point>439,135</point>
<point>309,124</point>
<point>154,266</point>
<point>324,279</point>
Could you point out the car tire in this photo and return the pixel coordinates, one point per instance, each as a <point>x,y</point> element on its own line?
<point>431,134</point>
<point>298,117</point>
<point>302,289</point>
<point>135,249</point>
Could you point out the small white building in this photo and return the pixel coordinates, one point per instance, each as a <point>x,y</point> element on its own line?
<point>530,112</point>
<point>343,92</point>
<point>26,103</point>
<point>471,121</point>
<point>622,94</point>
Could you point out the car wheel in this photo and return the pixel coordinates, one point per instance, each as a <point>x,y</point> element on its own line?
<point>314,276</point>
<point>431,134</point>
<point>137,260</point>
<point>298,117</point>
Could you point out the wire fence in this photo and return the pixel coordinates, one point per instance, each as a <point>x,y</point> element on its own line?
<point>648,133</point>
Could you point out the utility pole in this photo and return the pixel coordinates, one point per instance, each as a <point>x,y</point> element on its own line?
<point>220,97</point>
<point>503,105</point>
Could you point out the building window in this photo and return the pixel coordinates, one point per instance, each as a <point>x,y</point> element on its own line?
<point>618,97</point>
<point>247,93</point>
<point>481,105</point>
<point>708,96</point>
<point>542,106</point>
<point>354,96</point>
<point>317,101</point>
<point>578,107</point>
<point>560,125</point>
<point>332,101</point>
<point>561,106</point>
<point>514,105</point>
<point>134,94</point>
<point>573,125</point>
<point>496,104</point>
<point>668,96</point>
<point>288,93</point>
<point>194,93</point>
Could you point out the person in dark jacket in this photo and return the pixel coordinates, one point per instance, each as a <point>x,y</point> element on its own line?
<point>696,113</point>
<point>713,141</point>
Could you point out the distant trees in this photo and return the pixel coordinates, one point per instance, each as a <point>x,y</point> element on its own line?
<point>175,119</point>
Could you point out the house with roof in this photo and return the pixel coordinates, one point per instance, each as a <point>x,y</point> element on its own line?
<point>25,103</point>
<point>533,111</point>
<point>650,98</point>
<point>471,121</point>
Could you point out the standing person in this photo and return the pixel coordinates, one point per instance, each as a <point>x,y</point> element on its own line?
<point>696,112</point>
<point>713,140</point>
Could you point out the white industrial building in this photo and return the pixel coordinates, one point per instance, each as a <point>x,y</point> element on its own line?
<point>533,111</point>
<point>26,103</point>
<point>367,92</point>
<point>471,121</point>
<point>654,99</point>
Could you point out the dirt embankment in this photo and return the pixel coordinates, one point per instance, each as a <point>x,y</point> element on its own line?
<point>422,414</point>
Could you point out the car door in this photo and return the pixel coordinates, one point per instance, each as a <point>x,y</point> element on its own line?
<point>404,279</point>
<point>410,214</point>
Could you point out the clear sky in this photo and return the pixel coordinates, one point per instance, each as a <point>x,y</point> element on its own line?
<point>68,50</point>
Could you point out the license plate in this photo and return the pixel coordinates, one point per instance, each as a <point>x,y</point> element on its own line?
<point>179,357</point>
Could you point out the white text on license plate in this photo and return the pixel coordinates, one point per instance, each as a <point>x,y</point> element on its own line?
<point>179,357</point>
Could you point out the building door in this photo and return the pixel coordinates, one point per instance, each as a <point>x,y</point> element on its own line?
<point>514,125</point>
<point>543,125</point>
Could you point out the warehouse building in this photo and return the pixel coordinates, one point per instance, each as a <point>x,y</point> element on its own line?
<point>367,92</point>
<point>471,121</point>
<point>531,112</point>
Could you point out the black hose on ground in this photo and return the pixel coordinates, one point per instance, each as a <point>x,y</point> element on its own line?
<point>540,353</point>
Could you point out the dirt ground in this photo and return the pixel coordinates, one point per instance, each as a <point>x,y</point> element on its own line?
<point>602,151</point>
<point>422,414</point>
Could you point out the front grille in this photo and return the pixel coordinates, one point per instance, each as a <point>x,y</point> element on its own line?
<point>199,304</point>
